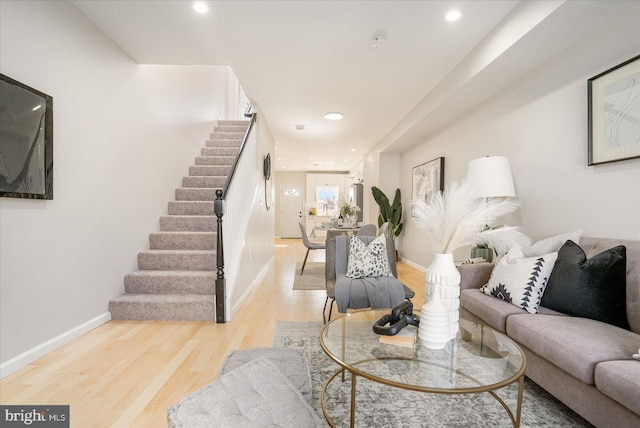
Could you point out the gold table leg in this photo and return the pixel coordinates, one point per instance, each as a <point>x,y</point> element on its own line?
<point>353,400</point>
<point>519,408</point>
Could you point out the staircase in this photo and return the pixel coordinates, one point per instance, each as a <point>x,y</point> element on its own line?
<point>176,276</point>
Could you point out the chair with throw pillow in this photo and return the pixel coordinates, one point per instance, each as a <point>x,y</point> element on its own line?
<point>310,245</point>
<point>367,230</point>
<point>364,287</point>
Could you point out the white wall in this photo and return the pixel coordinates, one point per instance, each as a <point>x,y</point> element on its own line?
<point>250,234</point>
<point>124,135</point>
<point>540,123</point>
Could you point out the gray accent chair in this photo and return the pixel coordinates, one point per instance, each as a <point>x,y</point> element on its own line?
<point>336,266</point>
<point>310,245</point>
<point>367,230</point>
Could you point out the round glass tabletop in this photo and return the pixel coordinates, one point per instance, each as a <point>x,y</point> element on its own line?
<point>479,359</point>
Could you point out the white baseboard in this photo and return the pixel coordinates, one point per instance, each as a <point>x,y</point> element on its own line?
<point>250,288</point>
<point>27,357</point>
<point>413,265</point>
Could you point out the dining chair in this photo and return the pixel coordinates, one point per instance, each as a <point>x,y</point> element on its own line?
<point>336,266</point>
<point>310,245</point>
<point>367,230</point>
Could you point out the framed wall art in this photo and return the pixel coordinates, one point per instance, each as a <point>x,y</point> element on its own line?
<point>614,113</point>
<point>26,141</point>
<point>428,179</point>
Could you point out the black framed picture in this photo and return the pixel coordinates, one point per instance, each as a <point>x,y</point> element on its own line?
<point>26,141</point>
<point>428,179</point>
<point>614,113</point>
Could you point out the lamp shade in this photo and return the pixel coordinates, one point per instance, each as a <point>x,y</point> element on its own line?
<point>492,176</point>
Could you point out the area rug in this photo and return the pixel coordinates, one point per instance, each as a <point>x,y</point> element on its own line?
<point>313,277</point>
<point>383,406</point>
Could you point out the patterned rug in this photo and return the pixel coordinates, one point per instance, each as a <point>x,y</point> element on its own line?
<point>313,277</point>
<point>383,406</point>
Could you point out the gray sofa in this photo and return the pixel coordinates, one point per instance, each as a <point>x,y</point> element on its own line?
<point>586,364</point>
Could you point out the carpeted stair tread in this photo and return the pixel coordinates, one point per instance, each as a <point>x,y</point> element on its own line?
<point>203,260</point>
<point>215,160</point>
<point>223,143</point>
<point>182,240</point>
<point>203,182</point>
<point>244,123</point>
<point>209,170</point>
<point>219,151</point>
<point>187,307</point>
<point>190,208</point>
<point>237,136</point>
<point>195,194</point>
<point>230,128</point>
<point>170,282</point>
<point>188,223</point>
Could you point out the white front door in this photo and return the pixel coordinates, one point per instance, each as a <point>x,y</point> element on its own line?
<point>291,204</point>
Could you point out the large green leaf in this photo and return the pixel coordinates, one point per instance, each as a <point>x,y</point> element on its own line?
<point>397,200</point>
<point>398,230</point>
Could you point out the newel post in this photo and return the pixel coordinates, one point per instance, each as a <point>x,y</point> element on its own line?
<point>221,296</point>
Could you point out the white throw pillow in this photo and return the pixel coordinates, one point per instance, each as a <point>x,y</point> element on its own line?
<point>367,261</point>
<point>551,244</point>
<point>521,280</point>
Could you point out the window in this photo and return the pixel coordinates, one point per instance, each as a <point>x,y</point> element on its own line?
<point>327,200</point>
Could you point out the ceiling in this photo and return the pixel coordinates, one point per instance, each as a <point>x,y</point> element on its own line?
<point>300,59</point>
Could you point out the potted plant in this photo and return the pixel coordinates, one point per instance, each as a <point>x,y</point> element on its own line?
<point>389,213</point>
<point>349,211</point>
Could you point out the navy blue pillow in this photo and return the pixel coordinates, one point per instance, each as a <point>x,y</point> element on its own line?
<point>595,288</point>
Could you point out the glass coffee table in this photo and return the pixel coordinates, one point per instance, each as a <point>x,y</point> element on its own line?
<point>479,359</point>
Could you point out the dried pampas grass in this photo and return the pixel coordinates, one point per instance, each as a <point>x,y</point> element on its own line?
<point>456,217</point>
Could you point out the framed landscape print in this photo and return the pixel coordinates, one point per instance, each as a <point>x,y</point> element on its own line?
<point>614,113</point>
<point>428,179</point>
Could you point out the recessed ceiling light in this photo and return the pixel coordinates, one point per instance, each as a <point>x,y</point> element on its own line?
<point>377,40</point>
<point>200,7</point>
<point>453,15</point>
<point>333,115</point>
<point>353,150</point>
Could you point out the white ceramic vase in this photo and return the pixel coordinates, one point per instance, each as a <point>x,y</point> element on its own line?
<point>434,328</point>
<point>443,272</point>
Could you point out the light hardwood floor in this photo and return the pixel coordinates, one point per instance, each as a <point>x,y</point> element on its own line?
<point>126,373</point>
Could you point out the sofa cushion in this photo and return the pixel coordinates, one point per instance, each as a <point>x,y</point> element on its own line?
<point>551,244</point>
<point>593,246</point>
<point>521,280</point>
<point>591,288</point>
<point>573,344</point>
<point>256,394</point>
<point>291,362</point>
<point>620,380</point>
<point>491,311</point>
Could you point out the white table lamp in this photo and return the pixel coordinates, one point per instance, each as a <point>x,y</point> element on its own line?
<point>492,176</point>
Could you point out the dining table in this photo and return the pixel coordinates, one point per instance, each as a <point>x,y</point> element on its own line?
<point>335,230</point>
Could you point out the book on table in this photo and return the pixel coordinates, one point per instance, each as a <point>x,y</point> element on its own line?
<point>405,337</point>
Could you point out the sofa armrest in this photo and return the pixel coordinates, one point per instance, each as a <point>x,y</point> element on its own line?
<point>474,275</point>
